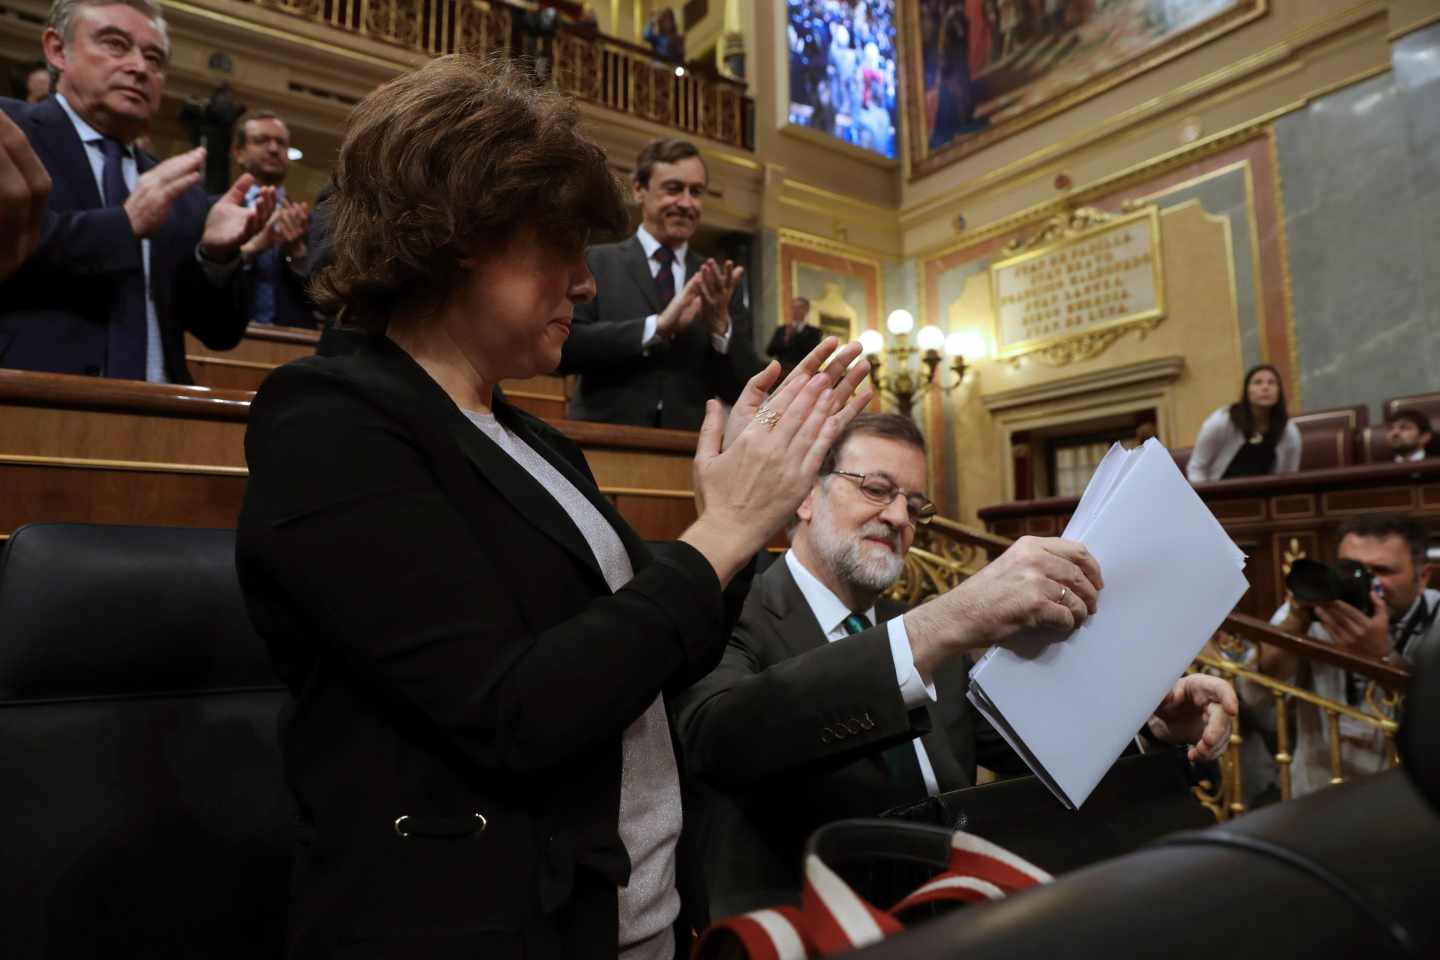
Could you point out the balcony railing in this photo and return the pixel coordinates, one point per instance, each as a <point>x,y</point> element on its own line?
<point>589,66</point>
<point>945,553</point>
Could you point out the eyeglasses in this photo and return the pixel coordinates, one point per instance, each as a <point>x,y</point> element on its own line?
<point>878,488</point>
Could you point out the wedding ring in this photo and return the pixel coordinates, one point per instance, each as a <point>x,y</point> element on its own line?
<point>1064,592</point>
<point>768,417</point>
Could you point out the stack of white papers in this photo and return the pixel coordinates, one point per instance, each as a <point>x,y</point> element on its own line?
<point>1069,704</point>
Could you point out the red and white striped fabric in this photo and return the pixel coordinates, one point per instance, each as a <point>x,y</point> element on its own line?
<point>833,918</point>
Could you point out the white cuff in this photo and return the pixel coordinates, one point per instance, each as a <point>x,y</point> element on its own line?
<point>648,338</point>
<point>721,341</point>
<point>913,690</point>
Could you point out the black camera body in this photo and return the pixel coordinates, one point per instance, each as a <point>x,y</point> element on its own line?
<point>1310,581</point>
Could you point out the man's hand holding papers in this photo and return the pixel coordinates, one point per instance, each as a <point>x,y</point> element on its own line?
<point>1038,582</point>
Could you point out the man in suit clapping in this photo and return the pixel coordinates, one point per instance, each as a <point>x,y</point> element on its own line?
<point>667,330</point>
<point>132,254</point>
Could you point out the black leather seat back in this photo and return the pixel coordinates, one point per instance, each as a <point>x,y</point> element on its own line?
<point>1346,872</point>
<point>142,810</point>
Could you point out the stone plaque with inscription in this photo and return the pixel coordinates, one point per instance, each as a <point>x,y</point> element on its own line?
<point>1070,297</point>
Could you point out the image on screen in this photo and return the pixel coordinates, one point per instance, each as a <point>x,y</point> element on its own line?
<point>843,77</point>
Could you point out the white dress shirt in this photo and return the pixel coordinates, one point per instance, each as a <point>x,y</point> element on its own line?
<point>1414,456</point>
<point>720,341</point>
<point>830,612</point>
<point>154,349</point>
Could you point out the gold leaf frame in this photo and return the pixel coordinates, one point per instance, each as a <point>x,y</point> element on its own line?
<point>922,161</point>
<point>1065,230</point>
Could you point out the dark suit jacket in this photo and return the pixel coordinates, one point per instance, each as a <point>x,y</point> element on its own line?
<point>454,651</point>
<point>807,338</point>
<point>621,382</point>
<point>293,306</point>
<point>788,734</point>
<point>55,310</point>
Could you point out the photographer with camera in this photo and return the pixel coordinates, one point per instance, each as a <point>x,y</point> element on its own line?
<point>1372,602</point>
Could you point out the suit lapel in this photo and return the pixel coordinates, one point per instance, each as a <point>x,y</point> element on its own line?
<point>798,630</point>
<point>638,267</point>
<point>434,415</point>
<point>64,155</point>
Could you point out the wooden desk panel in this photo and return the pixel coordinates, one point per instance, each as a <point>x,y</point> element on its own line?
<point>94,450</point>
<point>264,347</point>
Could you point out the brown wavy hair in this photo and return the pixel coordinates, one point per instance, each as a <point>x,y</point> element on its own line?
<point>445,163</point>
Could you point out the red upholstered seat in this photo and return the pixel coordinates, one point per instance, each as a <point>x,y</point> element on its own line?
<point>1328,436</point>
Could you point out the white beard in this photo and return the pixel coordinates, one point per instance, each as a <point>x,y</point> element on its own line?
<point>864,566</point>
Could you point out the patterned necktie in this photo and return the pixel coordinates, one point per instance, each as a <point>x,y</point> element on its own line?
<point>900,760</point>
<point>665,278</point>
<point>127,334</point>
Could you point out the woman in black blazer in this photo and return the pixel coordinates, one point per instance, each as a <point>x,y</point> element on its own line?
<point>478,645</point>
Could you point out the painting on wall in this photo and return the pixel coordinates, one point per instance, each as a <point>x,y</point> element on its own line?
<point>981,70</point>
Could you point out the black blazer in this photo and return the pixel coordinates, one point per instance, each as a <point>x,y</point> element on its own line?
<point>807,338</point>
<point>621,382</point>
<point>455,654</point>
<point>55,310</point>
<point>825,713</point>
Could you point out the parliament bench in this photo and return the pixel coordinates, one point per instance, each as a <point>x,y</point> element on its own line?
<point>94,450</point>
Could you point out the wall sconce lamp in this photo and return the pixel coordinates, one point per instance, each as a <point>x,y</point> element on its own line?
<point>913,369</point>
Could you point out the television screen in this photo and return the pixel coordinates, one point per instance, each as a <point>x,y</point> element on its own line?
<point>843,77</point>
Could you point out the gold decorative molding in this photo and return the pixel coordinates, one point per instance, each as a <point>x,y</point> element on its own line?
<point>1087,345</point>
<point>1401,32</point>
<point>1292,553</point>
<point>1161,370</point>
<point>1282,238</point>
<point>1062,226</point>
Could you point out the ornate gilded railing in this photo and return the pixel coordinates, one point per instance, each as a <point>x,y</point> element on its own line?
<point>430,26</point>
<point>589,66</point>
<point>945,553</point>
<point>629,79</point>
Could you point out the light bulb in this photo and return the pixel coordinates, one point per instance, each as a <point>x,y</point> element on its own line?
<point>294,154</point>
<point>872,341</point>
<point>930,337</point>
<point>900,322</point>
<point>965,343</point>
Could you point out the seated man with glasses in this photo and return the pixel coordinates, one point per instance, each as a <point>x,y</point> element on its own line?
<point>831,701</point>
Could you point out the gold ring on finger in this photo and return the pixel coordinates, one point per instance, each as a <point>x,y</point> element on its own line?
<point>1064,592</point>
<point>767,417</point>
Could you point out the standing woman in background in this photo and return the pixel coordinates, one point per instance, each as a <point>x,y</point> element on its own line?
<point>1250,438</point>
<point>478,646</point>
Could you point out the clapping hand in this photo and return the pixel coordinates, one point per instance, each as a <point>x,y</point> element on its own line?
<point>681,311</point>
<point>287,228</point>
<point>230,223</point>
<point>157,189</point>
<point>840,364</point>
<point>1197,711</point>
<point>717,287</point>
<point>24,191</point>
<point>746,491</point>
